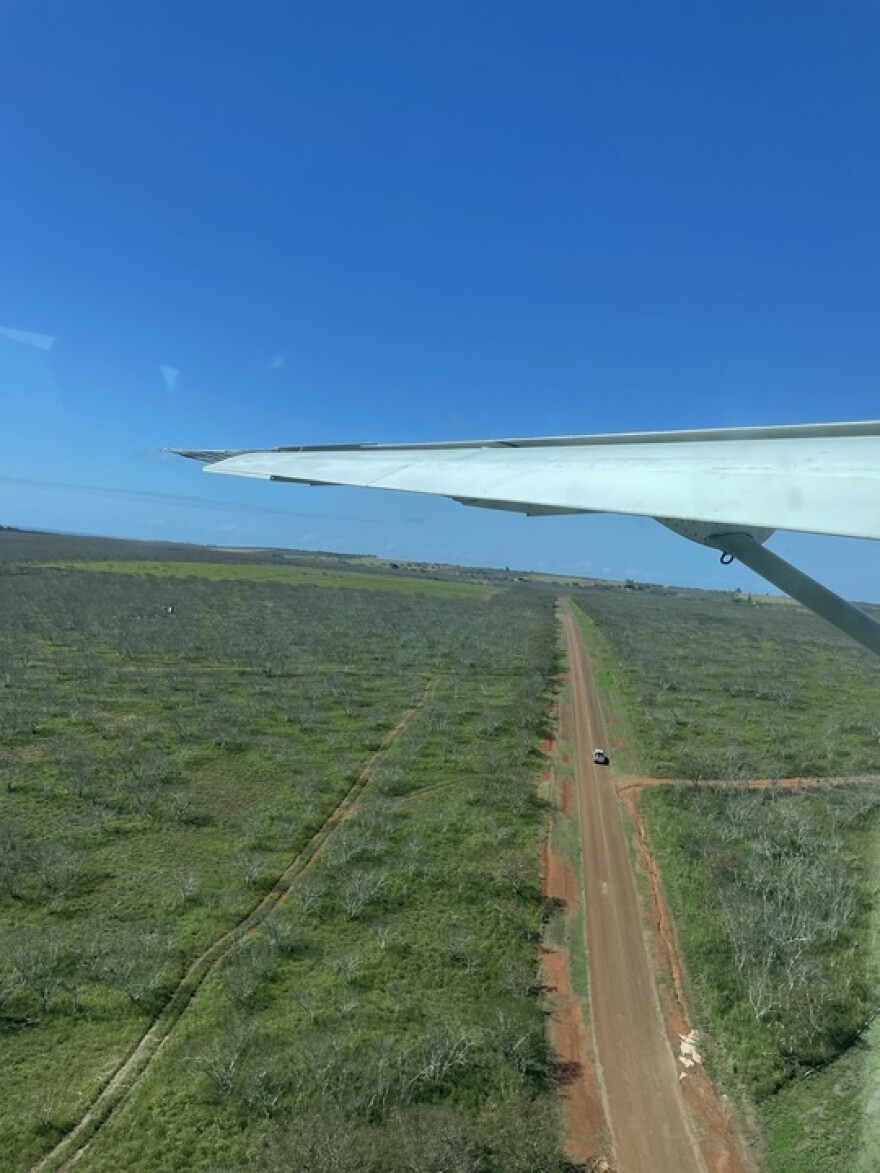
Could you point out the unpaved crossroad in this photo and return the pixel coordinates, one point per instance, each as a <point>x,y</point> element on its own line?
<point>649,1124</point>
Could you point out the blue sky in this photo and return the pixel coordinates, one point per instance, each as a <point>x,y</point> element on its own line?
<point>407,221</point>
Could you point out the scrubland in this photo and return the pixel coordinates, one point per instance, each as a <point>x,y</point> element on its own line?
<point>286,815</point>
<point>169,745</point>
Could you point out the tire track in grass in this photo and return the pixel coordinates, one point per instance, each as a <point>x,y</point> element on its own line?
<point>116,1092</point>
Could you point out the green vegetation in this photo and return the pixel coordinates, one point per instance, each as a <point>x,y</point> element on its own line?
<point>572,929</point>
<point>169,745</point>
<point>832,1114</point>
<point>289,575</point>
<point>720,689</point>
<point>827,1118</point>
<point>773,900</point>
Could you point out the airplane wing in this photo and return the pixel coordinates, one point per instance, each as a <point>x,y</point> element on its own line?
<point>727,488</point>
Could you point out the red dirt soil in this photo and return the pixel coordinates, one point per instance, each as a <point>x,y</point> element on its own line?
<point>567,804</point>
<point>659,1122</point>
<point>586,1129</point>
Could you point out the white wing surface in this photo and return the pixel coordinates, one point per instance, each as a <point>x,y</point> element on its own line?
<point>739,483</point>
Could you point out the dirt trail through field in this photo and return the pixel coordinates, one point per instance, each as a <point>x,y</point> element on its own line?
<point>127,1077</point>
<point>586,1129</point>
<point>643,1101</point>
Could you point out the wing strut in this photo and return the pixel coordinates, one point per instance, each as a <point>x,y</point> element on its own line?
<point>727,488</point>
<point>843,615</point>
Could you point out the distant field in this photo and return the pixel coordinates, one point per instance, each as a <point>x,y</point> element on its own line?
<point>287,575</point>
<point>721,689</point>
<point>161,767</point>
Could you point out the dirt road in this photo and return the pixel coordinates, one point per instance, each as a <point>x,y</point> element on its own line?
<point>643,1101</point>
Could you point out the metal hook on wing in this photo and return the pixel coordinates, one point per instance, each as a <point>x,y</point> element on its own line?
<point>748,548</point>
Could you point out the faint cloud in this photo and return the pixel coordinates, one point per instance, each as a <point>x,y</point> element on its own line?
<point>170,375</point>
<point>147,497</point>
<point>277,362</point>
<point>27,338</point>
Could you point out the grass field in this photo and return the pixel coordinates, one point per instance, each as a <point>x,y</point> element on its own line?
<point>169,745</point>
<point>834,1114</point>
<point>174,735</point>
<point>286,575</point>
<point>773,893</point>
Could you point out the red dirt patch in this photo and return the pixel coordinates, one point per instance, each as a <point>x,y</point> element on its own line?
<point>565,724</point>
<point>567,806</point>
<point>558,884</point>
<point>586,1130</point>
<point>576,1079</point>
